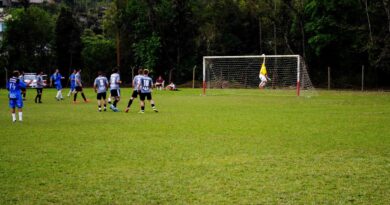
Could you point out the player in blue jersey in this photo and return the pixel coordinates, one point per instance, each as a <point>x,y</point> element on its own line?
<point>79,87</point>
<point>115,80</point>
<point>100,86</point>
<point>40,85</point>
<point>14,86</point>
<point>23,89</point>
<point>145,84</point>
<point>56,77</point>
<point>135,90</point>
<point>72,80</point>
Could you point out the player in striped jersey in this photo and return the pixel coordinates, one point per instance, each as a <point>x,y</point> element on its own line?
<point>145,84</point>
<point>101,85</point>
<point>40,85</point>
<point>115,80</point>
<point>79,87</point>
<point>14,86</point>
<point>135,86</point>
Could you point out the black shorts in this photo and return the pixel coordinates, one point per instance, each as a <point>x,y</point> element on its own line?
<point>39,90</point>
<point>115,93</point>
<point>135,94</point>
<point>79,89</point>
<point>145,95</point>
<point>101,95</point>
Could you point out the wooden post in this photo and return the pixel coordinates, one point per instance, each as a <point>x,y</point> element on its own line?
<point>362,78</point>
<point>328,78</point>
<point>132,75</point>
<point>193,77</point>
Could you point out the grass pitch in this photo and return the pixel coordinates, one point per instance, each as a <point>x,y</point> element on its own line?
<point>235,147</point>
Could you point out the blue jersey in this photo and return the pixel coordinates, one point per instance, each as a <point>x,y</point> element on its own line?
<point>145,84</point>
<point>14,86</point>
<point>72,79</point>
<point>56,77</point>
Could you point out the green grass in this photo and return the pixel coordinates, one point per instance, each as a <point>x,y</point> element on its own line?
<point>234,147</point>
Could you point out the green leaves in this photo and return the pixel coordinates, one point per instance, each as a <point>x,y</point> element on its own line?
<point>147,51</point>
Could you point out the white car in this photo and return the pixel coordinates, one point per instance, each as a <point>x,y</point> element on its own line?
<point>28,77</point>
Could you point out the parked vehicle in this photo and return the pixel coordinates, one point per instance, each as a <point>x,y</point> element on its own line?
<point>33,77</point>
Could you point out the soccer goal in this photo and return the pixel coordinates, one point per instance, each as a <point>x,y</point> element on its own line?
<point>288,72</point>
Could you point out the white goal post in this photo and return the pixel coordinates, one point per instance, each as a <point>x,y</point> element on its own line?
<point>284,71</point>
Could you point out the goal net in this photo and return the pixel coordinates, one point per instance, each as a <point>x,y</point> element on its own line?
<point>288,72</point>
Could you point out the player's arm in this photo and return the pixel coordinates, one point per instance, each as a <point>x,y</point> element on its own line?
<point>51,80</point>
<point>78,82</point>
<point>94,86</point>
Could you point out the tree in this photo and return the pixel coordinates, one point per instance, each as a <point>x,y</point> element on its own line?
<point>68,41</point>
<point>98,54</point>
<point>28,39</point>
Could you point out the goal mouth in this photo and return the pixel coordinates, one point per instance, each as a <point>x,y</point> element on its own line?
<point>282,72</point>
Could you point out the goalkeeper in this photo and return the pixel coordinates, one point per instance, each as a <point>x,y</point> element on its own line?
<point>263,75</point>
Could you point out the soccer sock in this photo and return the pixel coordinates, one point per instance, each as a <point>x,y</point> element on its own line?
<point>61,94</point>
<point>153,105</point>
<point>58,95</point>
<point>115,102</point>
<point>75,97</point>
<point>142,108</point>
<point>100,107</point>
<point>36,98</point>
<point>40,97</point>
<point>105,106</point>
<point>24,95</point>
<point>13,117</point>
<point>70,91</point>
<point>20,116</point>
<point>130,102</point>
<point>82,94</point>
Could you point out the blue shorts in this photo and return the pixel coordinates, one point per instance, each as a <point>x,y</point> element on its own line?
<point>16,102</point>
<point>58,86</point>
<point>72,87</point>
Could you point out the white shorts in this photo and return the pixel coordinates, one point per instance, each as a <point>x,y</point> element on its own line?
<point>262,78</point>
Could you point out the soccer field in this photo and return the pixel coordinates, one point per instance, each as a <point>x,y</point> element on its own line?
<point>234,147</point>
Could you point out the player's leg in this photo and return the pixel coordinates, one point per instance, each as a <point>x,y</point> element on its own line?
<point>149,97</point>
<point>24,91</point>
<point>98,98</point>
<point>104,100</point>
<point>40,91</point>
<point>60,92</point>
<point>12,105</point>
<point>142,98</point>
<point>70,91</point>
<point>133,96</point>
<point>109,97</point>
<point>116,97</point>
<point>19,104</point>
<point>75,94</point>
<point>36,97</point>
<point>80,89</point>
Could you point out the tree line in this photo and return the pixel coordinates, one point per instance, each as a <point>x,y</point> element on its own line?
<point>173,35</point>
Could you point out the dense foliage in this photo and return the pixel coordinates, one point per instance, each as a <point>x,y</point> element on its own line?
<point>174,34</point>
